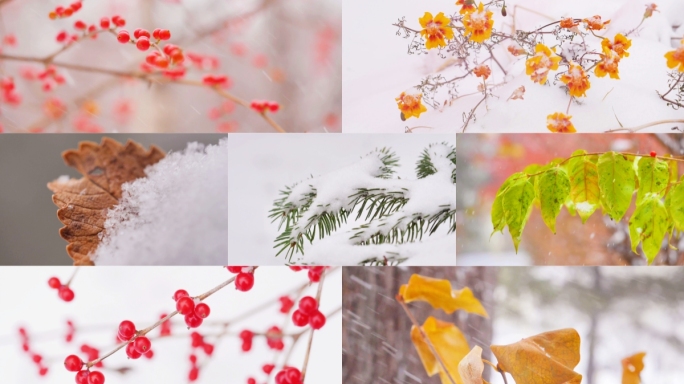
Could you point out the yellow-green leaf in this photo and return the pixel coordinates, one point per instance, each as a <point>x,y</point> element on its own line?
<point>648,225</point>
<point>547,358</point>
<point>449,343</point>
<point>517,206</point>
<point>632,367</point>
<point>653,175</point>
<point>498,218</point>
<point>584,184</point>
<point>439,294</point>
<point>553,189</point>
<point>676,205</point>
<point>616,183</point>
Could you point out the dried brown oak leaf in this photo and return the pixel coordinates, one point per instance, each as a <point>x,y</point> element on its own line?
<point>83,202</point>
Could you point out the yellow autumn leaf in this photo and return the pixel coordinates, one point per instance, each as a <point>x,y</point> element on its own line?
<point>439,294</point>
<point>471,367</point>
<point>632,367</point>
<point>449,343</point>
<point>547,358</point>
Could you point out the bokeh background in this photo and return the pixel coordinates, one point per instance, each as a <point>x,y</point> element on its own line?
<point>29,232</point>
<point>286,51</point>
<point>106,296</point>
<point>617,311</point>
<point>484,163</point>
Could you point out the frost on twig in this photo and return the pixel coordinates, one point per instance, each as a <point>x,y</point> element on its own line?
<point>392,217</point>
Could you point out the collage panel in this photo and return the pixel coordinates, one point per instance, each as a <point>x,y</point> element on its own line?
<point>117,199</point>
<point>512,325</point>
<point>588,199</point>
<point>513,66</point>
<point>342,200</point>
<point>170,66</point>
<point>136,335</point>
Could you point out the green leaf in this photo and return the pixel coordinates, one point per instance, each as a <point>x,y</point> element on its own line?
<point>584,184</point>
<point>676,205</point>
<point>649,225</point>
<point>498,219</point>
<point>517,206</point>
<point>616,183</point>
<point>653,175</point>
<point>553,189</point>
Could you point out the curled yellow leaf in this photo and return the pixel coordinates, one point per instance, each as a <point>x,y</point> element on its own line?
<point>439,294</point>
<point>632,367</point>
<point>471,367</point>
<point>449,343</point>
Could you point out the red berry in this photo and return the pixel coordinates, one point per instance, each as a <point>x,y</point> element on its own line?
<point>244,281</point>
<point>54,283</point>
<point>246,346</point>
<point>300,318</point>
<point>208,349</point>
<point>251,380</point>
<point>246,335</point>
<point>161,62</point>
<point>149,354</point>
<point>82,377</point>
<point>185,305</point>
<point>192,320</point>
<point>79,24</point>
<point>66,294</point>
<point>123,36</point>
<point>96,377</point>
<point>194,373</point>
<point>164,34</point>
<point>268,368</point>
<point>286,304</point>
<point>308,305</point>
<point>126,330</point>
<point>281,378</point>
<point>76,6</point>
<point>293,375</point>
<point>202,310</point>
<point>104,23</point>
<point>155,33</point>
<point>180,293</point>
<point>142,344</point>
<point>118,21</point>
<point>62,36</point>
<point>193,359</point>
<point>653,154</point>
<point>295,268</point>
<point>141,32</point>
<point>317,320</point>
<point>143,43</point>
<point>73,363</point>
<point>314,276</point>
<point>131,352</point>
<point>273,106</point>
<point>234,269</point>
<point>42,371</point>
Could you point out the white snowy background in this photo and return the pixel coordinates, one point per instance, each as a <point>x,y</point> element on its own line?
<point>261,165</point>
<point>376,69</point>
<point>106,296</point>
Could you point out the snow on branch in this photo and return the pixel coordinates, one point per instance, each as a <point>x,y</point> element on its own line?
<point>389,212</point>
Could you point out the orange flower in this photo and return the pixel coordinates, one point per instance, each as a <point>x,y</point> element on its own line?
<point>620,45</point>
<point>467,6</point>
<point>410,105</point>
<point>435,30</point>
<point>559,123</point>
<point>650,8</point>
<point>608,65</point>
<point>539,65</point>
<point>595,23</point>
<point>676,58</point>
<point>576,80</point>
<point>478,24</point>
<point>568,23</point>
<point>482,71</point>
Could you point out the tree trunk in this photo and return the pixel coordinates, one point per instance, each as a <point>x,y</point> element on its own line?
<point>376,345</point>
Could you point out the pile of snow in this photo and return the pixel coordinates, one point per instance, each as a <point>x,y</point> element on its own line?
<point>177,215</point>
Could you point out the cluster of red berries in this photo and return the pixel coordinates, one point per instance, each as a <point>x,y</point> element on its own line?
<point>50,78</point>
<point>197,342</point>
<point>274,338</point>
<point>9,93</point>
<point>73,363</point>
<point>286,304</point>
<point>216,80</point>
<point>139,346</point>
<point>35,357</point>
<point>84,30</point>
<point>308,314</point>
<point>65,293</point>
<point>62,12</point>
<point>314,272</point>
<point>194,310</point>
<point>246,336</point>
<point>289,375</point>
<point>141,38</point>
<point>262,106</point>
<point>244,281</point>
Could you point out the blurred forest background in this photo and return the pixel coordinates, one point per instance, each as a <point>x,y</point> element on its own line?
<point>617,312</point>
<point>283,51</point>
<point>484,163</point>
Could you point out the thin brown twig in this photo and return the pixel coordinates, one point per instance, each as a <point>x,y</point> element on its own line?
<point>647,125</point>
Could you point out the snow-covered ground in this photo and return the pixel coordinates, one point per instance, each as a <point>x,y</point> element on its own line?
<point>377,68</point>
<point>259,166</point>
<point>106,296</point>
